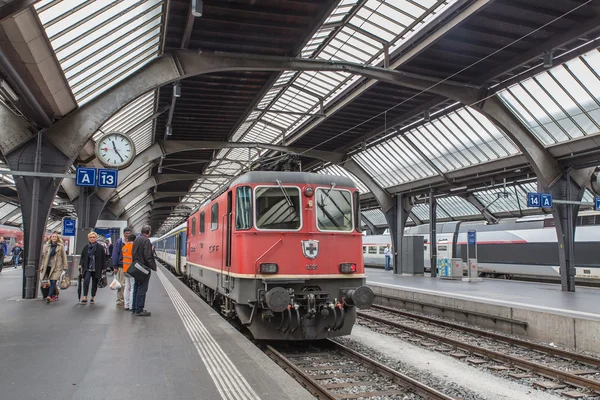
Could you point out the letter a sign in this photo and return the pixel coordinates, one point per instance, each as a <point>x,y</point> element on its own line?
<point>85,177</point>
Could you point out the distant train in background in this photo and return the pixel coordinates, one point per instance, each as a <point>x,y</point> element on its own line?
<point>514,247</point>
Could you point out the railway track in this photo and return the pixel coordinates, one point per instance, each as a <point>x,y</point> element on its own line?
<point>333,371</point>
<point>519,359</point>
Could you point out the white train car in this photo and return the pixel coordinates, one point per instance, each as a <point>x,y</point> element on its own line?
<point>171,248</point>
<point>514,247</point>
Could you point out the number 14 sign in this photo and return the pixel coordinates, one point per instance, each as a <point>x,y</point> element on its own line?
<point>107,178</point>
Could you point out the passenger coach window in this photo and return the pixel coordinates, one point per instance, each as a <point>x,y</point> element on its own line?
<point>243,208</point>
<point>202,221</point>
<point>381,249</point>
<point>278,208</point>
<point>334,210</point>
<point>214,217</point>
<point>194,226</point>
<point>372,249</point>
<point>364,249</point>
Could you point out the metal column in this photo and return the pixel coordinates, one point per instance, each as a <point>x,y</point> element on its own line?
<point>396,218</point>
<point>565,218</point>
<point>432,234</point>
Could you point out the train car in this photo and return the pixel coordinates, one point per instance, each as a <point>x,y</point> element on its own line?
<point>281,252</point>
<point>171,249</point>
<point>514,247</point>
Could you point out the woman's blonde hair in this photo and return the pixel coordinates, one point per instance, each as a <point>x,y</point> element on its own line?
<point>92,233</point>
<point>59,238</point>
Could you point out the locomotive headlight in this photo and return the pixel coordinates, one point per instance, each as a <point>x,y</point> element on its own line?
<point>347,268</point>
<point>308,191</point>
<point>268,268</point>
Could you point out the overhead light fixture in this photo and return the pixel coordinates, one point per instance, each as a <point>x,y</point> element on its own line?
<point>197,8</point>
<point>169,130</point>
<point>364,145</point>
<point>548,58</point>
<point>427,115</point>
<point>160,169</point>
<point>177,90</point>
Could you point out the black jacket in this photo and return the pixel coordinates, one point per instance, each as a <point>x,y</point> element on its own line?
<point>142,252</point>
<point>100,260</point>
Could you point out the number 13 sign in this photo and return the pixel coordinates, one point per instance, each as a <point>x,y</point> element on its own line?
<point>107,178</point>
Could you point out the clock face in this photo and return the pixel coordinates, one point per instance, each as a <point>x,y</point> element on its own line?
<point>115,150</point>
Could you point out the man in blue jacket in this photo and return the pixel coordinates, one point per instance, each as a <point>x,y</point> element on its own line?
<point>117,262</point>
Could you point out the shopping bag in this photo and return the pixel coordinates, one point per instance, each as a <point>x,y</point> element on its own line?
<point>115,284</point>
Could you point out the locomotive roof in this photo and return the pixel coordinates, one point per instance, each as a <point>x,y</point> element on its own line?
<point>293,177</point>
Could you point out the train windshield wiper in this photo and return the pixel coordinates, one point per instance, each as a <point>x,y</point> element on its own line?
<point>287,197</point>
<point>326,200</point>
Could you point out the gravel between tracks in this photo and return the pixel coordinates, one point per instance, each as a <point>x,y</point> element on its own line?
<point>442,372</point>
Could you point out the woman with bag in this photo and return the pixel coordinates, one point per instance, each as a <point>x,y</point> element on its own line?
<point>91,265</point>
<point>54,262</point>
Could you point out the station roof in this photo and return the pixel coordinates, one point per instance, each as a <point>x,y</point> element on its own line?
<point>407,140</point>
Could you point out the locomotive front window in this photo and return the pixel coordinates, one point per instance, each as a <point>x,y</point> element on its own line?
<point>277,208</point>
<point>334,210</point>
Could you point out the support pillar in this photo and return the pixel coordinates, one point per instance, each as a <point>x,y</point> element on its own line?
<point>565,218</point>
<point>372,228</point>
<point>432,234</point>
<point>36,195</point>
<point>397,217</point>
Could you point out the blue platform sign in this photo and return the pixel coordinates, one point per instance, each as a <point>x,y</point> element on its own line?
<point>69,226</point>
<point>472,237</point>
<point>546,200</point>
<point>85,176</point>
<point>597,203</point>
<point>107,178</point>
<point>534,200</point>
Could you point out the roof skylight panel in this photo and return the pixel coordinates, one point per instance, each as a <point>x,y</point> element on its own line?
<point>88,37</point>
<point>457,206</point>
<point>375,216</point>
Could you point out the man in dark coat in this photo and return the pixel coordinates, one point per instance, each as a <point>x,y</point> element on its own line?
<point>142,253</point>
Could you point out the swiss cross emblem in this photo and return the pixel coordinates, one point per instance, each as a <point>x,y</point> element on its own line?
<point>310,249</point>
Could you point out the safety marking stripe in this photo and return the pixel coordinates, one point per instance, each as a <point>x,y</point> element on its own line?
<point>229,381</point>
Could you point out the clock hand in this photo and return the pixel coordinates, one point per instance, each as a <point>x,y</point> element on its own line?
<point>116,151</point>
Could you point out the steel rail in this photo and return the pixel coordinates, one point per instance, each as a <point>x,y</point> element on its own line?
<point>401,379</point>
<point>593,361</point>
<point>314,386</point>
<point>543,370</point>
<point>418,387</point>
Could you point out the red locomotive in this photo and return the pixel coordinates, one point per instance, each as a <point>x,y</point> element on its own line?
<point>281,251</point>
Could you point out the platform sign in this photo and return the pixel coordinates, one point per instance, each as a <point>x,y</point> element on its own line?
<point>85,176</point>
<point>107,178</point>
<point>472,237</point>
<point>546,200</point>
<point>69,226</point>
<point>597,203</point>
<point>534,200</point>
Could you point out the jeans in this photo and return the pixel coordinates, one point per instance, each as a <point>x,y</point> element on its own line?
<point>16,259</point>
<point>86,283</point>
<point>52,290</point>
<point>141,288</point>
<point>387,263</point>
<point>128,294</point>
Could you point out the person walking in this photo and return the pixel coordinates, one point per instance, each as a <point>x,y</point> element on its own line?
<point>54,262</point>
<point>127,258</point>
<point>142,253</point>
<point>16,254</point>
<point>117,264</point>
<point>388,257</point>
<point>91,264</point>
<point>2,252</point>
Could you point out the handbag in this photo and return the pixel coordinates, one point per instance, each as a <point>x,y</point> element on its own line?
<point>103,282</point>
<point>65,281</point>
<point>139,271</point>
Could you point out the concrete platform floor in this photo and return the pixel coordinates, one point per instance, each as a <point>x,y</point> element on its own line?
<point>185,350</point>
<point>546,297</point>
